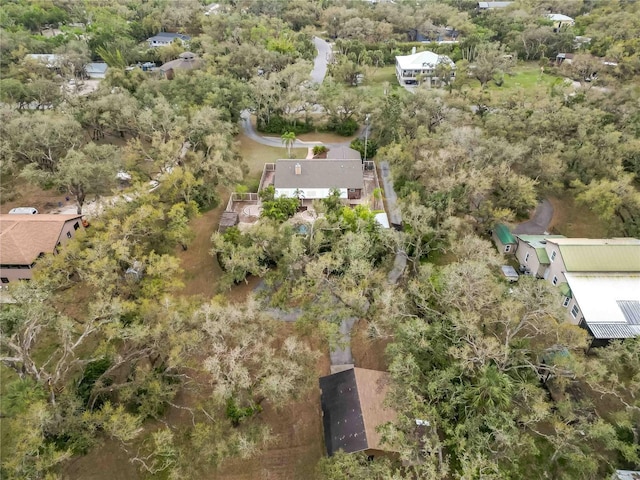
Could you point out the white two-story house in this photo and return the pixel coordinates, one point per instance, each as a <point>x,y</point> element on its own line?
<point>422,67</point>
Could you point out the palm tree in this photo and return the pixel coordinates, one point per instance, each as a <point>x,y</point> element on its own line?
<point>288,139</point>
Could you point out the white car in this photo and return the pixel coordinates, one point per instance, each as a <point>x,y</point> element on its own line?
<point>510,273</point>
<point>23,211</point>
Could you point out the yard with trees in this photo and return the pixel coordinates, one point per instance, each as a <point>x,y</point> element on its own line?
<point>105,353</point>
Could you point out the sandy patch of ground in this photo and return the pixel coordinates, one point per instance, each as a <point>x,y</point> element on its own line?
<point>201,270</point>
<point>28,195</point>
<point>367,352</point>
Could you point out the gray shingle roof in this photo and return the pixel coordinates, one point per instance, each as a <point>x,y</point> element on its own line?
<point>319,174</point>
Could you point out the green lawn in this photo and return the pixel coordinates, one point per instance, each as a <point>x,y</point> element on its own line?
<point>525,77</point>
<point>256,155</point>
<point>528,75</point>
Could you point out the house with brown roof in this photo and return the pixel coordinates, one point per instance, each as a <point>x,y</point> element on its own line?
<point>352,410</point>
<point>24,238</point>
<point>186,61</point>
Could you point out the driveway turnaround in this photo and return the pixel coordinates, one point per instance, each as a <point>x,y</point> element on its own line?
<point>539,222</point>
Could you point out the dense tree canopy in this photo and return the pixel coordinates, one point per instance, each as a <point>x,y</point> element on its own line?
<point>103,345</point>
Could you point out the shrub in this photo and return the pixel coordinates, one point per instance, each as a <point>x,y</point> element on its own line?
<point>318,149</point>
<point>280,126</point>
<point>236,414</point>
<point>346,128</point>
<point>372,147</point>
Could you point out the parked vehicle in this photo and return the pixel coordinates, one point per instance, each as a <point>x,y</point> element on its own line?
<point>23,211</point>
<point>510,273</point>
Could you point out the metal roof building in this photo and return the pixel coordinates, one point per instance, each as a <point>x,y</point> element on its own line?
<point>626,475</point>
<point>610,303</point>
<point>538,242</point>
<point>420,60</point>
<point>599,255</point>
<point>492,5</point>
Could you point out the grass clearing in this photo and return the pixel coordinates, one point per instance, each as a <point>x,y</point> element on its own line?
<point>374,83</point>
<point>256,155</point>
<point>525,79</point>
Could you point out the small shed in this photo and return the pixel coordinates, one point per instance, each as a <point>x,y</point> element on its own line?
<point>503,239</point>
<point>229,219</point>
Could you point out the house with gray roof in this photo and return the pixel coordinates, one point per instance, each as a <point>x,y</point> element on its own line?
<point>162,39</point>
<point>315,179</point>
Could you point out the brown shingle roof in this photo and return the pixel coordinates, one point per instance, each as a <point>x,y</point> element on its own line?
<point>24,237</point>
<point>372,390</point>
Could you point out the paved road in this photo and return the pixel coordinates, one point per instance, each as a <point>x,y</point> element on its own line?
<point>317,76</point>
<point>321,61</point>
<point>539,222</point>
<point>250,132</point>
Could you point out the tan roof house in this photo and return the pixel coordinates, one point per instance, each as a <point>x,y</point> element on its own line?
<point>352,409</point>
<point>24,238</point>
<point>186,61</point>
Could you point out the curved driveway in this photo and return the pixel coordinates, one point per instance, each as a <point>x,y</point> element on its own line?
<point>317,76</point>
<point>539,222</point>
<point>321,61</point>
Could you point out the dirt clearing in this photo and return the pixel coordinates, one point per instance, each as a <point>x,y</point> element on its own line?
<point>572,220</point>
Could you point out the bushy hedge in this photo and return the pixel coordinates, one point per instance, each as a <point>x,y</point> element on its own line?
<point>346,128</point>
<point>392,49</point>
<point>280,126</point>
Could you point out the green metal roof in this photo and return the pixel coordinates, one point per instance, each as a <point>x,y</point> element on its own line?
<point>564,289</point>
<point>543,258</point>
<point>503,233</point>
<point>615,257</point>
<point>537,241</point>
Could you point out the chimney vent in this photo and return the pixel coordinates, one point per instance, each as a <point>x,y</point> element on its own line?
<point>413,51</point>
<point>298,169</point>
